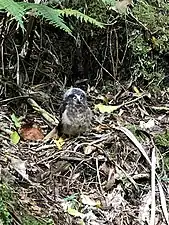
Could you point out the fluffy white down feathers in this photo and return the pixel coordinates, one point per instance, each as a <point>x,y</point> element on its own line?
<point>75,115</point>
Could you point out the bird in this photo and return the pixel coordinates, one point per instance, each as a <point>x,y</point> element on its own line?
<point>75,115</point>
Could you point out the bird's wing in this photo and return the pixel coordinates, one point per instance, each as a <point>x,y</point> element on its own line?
<point>62,108</point>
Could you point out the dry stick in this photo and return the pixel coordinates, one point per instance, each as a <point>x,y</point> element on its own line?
<point>2,58</point>
<point>139,146</point>
<point>2,39</point>
<point>153,163</point>
<point>128,177</point>
<point>14,98</point>
<point>162,195</point>
<point>102,65</point>
<point>140,23</point>
<point>111,54</point>
<point>126,44</point>
<point>163,202</point>
<point>98,176</point>
<point>50,118</point>
<point>99,77</point>
<point>117,51</point>
<point>18,80</point>
<point>129,102</point>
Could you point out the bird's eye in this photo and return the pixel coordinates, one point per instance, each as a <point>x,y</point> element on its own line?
<point>81,97</point>
<point>74,97</point>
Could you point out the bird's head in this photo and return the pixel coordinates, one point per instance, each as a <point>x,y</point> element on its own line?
<point>76,96</point>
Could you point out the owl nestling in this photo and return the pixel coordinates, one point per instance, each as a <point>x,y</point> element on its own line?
<point>75,115</point>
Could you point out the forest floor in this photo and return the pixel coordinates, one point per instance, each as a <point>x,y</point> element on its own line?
<point>114,174</point>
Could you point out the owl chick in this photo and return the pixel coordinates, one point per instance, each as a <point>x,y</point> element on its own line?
<point>75,115</point>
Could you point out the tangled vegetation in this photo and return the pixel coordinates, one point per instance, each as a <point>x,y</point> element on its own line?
<point>118,51</point>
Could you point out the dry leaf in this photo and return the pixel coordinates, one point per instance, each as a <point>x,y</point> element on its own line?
<point>87,201</point>
<point>106,108</point>
<point>75,213</point>
<point>60,142</point>
<point>31,133</point>
<point>89,149</point>
<point>144,211</point>
<point>121,6</point>
<point>150,124</point>
<point>20,167</point>
<point>137,91</point>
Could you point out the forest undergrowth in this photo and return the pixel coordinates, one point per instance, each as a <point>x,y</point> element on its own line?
<point>117,173</point>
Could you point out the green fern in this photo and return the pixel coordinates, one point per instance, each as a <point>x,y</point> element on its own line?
<point>14,9</point>
<point>51,15</point>
<point>80,16</point>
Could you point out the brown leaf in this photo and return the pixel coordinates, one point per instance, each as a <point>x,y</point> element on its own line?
<point>31,133</point>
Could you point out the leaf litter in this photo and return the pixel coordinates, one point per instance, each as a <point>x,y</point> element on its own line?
<point>107,176</point>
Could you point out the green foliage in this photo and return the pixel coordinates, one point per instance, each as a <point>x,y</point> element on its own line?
<point>150,42</point>
<point>109,2</point>
<point>15,138</point>
<point>16,121</point>
<point>162,139</point>
<point>5,198</point>
<point>80,16</point>
<point>135,130</point>
<point>156,19</point>
<point>166,163</point>
<point>5,217</point>
<point>14,9</point>
<point>98,10</point>
<point>53,16</point>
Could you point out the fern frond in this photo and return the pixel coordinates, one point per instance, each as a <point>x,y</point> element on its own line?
<point>51,15</point>
<point>14,9</point>
<point>81,16</point>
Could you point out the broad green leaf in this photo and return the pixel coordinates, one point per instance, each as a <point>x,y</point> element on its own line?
<point>106,108</point>
<point>15,138</point>
<point>16,121</point>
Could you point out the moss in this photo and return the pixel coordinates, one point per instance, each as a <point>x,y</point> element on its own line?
<point>162,139</point>
<point>135,131</point>
<point>5,198</point>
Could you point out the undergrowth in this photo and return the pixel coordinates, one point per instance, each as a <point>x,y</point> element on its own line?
<point>5,199</point>
<point>150,44</point>
<point>9,203</point>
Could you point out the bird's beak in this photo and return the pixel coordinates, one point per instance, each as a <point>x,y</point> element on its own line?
<point>79,101</point>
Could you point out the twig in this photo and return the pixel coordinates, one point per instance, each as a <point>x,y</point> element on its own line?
<point>98,176</point>
<point>102,66</point>
<point>152,219</point>
<point>18,79</point>
<point>50,118</point>
<point>14,98</point>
